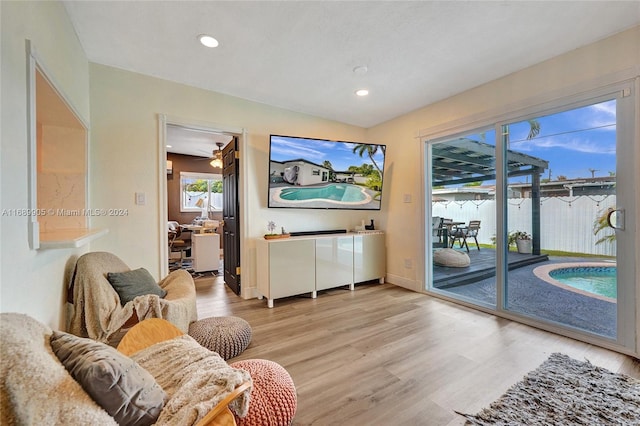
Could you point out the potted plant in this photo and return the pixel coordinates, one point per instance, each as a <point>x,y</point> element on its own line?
<point>271,235</point>
<point>522,240</point>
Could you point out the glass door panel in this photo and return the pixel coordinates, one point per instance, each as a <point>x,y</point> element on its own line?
<point>463,218</point>
<point>561,183</point>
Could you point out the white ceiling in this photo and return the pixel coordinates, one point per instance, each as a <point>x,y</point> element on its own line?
<point>200,143</point>
<point>300,55</point>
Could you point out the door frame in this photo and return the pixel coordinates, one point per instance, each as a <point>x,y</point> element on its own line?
<point>628,340</point>
<point>241,133</point>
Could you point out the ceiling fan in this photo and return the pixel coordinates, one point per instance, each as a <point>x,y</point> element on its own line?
<point>216,159</point>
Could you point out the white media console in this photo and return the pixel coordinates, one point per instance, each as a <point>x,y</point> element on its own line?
<point>306,264</point>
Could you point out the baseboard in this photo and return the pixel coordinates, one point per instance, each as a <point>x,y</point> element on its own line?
<point>407,283</point>
<point>249,293</point>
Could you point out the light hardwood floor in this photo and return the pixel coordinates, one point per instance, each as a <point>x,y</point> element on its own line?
<point>383,355</point>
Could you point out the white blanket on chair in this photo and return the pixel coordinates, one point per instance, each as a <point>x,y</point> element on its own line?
<point>195,379</point>
<point>98,313</point>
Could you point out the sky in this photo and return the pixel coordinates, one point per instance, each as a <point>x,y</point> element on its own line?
<point>340,154</point>
<point>577,143</point>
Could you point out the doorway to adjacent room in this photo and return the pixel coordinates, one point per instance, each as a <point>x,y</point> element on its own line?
<point>200,238</point>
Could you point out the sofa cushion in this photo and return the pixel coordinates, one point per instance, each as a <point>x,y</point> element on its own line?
<point>117,383</point>
<point>131,284</point>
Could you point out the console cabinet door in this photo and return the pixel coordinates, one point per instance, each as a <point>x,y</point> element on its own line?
<point>292,268</point>
<point>334,262</point>
<point>369,257</point>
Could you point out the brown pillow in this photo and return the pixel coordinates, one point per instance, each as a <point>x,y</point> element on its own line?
<point>126,391</point>
<point>132,284</point>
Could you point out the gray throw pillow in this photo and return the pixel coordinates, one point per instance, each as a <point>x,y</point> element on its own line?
<point>126,391</point>
<point>132,284</point>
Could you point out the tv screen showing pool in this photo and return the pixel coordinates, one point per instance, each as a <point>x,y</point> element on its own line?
<point>324,174</point>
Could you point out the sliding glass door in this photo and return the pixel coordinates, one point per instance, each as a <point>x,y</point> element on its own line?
<point>550,193</point>
<point>463,171</point>
<point>556,217</point>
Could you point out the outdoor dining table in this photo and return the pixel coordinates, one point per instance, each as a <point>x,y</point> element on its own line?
<point>447,232</point>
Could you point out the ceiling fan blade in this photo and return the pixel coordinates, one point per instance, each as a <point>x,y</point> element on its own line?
<point>215,154</point>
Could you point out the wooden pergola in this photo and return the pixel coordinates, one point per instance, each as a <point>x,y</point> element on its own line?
<point>463,160</point>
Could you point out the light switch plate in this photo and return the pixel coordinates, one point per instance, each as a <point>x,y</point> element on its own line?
<point>141,199</point>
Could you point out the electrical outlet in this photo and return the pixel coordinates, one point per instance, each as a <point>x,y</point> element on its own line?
<point>407,198</point>
<point>408,264</point>
<point>141,199</point>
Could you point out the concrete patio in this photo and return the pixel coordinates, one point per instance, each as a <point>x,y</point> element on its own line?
<point>527,294</point>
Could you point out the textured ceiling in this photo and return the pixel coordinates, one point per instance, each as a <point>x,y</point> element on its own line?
<point>199,143</point>
<point>301,55</point>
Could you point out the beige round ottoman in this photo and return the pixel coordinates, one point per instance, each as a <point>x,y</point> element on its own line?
<point>228,336</point>
<point>452,258</point>
<point>273,397</point>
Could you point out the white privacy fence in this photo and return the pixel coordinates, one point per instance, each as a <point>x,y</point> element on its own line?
<point>199,200</point>
<point>566,223</point>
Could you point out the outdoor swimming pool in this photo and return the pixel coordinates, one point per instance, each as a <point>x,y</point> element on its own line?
<point>594,279</point>
<point>332,192</point>
<point>598,279</point>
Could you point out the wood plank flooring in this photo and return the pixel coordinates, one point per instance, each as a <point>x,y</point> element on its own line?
<point>383,355</point>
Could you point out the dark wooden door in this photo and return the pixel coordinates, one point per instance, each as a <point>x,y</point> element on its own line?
<point>230,215</point>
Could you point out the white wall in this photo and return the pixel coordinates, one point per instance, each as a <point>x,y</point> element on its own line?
<point>582,69</point>
<point>124,150</point>
<point>32,281</point>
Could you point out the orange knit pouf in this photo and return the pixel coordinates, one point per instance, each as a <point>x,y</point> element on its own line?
<point>273,397</point>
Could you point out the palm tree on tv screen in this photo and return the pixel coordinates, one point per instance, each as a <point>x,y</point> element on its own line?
<point>327,164</point>
<point>371,150</point>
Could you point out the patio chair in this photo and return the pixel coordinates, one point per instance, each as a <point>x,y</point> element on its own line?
<point>438,232</point>
<point>462,233</point>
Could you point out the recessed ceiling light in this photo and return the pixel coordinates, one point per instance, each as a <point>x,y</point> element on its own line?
<point>169,146</point>
<point>208,41</point>
<point>362,92</point>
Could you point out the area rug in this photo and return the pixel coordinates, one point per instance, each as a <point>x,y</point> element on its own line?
<point>564,391</point>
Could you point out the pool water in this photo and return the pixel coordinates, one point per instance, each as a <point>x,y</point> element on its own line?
<point>335,192</point>
<point>594,279</point>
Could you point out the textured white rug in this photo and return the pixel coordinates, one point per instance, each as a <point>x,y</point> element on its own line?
<point>564,391</point>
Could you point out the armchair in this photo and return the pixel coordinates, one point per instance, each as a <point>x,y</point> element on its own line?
<point>37,388</point>
<point>98,312</point>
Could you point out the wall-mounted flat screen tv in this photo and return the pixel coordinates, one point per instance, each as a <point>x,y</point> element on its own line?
<point>325,174</point>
